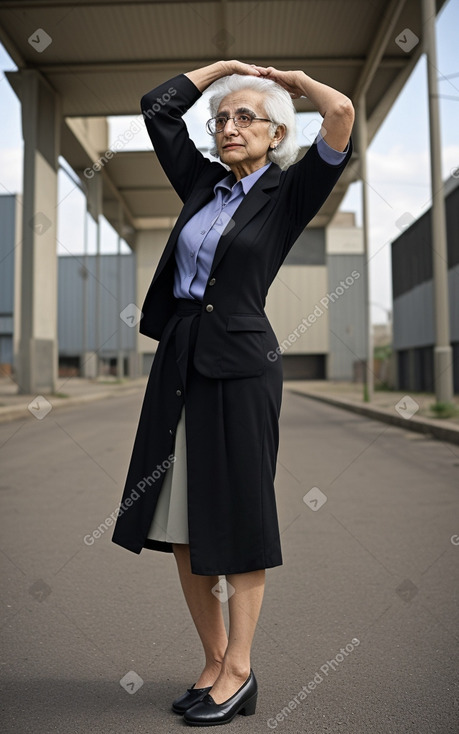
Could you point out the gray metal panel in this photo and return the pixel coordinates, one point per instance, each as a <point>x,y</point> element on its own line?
<point>412,250</point>
<point>6,324</point>
<point>346,308</point>
<point>6,350</point>
<point>453,280</point>
<point>69,308</point>
<point>114,333</point>
<point>7,243</point>
<point>414,318</point>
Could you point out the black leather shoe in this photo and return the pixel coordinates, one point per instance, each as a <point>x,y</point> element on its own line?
<point>209,713</point>
<point>192,696</point>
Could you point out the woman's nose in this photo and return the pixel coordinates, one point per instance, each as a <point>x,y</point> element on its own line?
<point>232,128</point>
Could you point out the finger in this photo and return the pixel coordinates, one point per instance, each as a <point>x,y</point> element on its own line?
<point>249,69</point>
<point>261,69</point>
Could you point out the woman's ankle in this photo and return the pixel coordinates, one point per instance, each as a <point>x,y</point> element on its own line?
<point>239,669</point>
<point>210,673</point>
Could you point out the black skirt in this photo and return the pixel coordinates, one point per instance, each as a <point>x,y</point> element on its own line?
<point>232,436</point>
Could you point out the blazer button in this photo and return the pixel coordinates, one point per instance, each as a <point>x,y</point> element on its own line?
<point>209,307</point>
<point>212,281</point>
<point>178,393</point>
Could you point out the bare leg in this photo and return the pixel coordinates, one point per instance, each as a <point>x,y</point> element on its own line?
<point>206,612</point>
<point>244,610</point>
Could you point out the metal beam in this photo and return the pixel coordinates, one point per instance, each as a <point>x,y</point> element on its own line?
<point>89,67</point>
<point>384,105</point>
<point>43,4</point>
<point>378,46</point>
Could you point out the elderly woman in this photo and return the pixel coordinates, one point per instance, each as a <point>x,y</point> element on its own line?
<point>201,478</point>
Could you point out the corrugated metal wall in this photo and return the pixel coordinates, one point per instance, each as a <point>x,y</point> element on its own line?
<point>329,301</point>
<point>7,247</point>
<point>77,275</point>
<point>414,326</point>
<point>293,296</point>
<point>346,313</point>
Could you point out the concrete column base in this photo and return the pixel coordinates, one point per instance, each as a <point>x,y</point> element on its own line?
<point>120,365</point>
<point>37,367</point>
<point>443,361</point>
<point>89,365</point>
<point>134,367</point>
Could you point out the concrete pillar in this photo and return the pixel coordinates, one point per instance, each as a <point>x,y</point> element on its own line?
<point>443,353</point>
<point>120,352</point>
<point>149,245</point>
<point>362,145</point>
<point>38,354</point>
<point>90,363</point>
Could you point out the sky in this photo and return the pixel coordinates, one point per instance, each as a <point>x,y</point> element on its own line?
<point>397,161</point>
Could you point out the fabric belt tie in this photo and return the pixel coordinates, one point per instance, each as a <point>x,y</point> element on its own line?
<point>185,307</point>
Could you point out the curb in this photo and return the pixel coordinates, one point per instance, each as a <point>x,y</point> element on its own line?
<point>420,425</point>
<point>15,412</point>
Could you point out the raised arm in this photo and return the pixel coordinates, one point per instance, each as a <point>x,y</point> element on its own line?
<point>336,109</point>
<point>163,109</point>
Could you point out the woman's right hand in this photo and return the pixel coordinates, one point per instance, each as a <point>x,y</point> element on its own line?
<point>205,76</point>
<point>239,67</point>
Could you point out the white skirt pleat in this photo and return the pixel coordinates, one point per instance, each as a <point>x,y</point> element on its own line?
<point>170,521</point>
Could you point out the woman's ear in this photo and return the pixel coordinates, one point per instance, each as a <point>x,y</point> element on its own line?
<point>279,135</point>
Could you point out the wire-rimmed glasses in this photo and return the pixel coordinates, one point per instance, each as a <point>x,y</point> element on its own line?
<point>217,124</point>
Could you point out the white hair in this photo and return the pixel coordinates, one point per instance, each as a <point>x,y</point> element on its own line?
<point>278,107</point>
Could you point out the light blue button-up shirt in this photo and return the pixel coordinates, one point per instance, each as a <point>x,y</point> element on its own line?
<point>197,242</point>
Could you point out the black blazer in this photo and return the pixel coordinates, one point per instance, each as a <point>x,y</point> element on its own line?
<point>234,334</point>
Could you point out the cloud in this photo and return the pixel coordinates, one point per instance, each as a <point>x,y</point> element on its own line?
<point>400,185</point>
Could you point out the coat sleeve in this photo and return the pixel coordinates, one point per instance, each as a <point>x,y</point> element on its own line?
<point>308,183</point>
<point>162,109</point>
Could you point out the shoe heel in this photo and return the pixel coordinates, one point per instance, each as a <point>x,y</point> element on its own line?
<point>249,707</point>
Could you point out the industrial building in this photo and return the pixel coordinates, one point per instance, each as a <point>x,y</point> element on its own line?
<point>316,305</point>
<point>413,297</point>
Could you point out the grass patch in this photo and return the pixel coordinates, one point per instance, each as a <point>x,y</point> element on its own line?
<point>444,410</point>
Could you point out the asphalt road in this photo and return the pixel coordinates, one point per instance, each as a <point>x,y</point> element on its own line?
<point>359,627</point>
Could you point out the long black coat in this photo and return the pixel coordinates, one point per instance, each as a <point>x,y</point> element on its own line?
<point>215,360</point>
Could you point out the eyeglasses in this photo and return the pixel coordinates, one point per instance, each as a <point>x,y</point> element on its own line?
<point>217,124</point>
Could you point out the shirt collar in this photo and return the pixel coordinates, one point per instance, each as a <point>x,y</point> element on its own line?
<point>246,182</point>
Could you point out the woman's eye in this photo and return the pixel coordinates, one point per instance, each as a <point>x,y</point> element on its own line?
<point>243,118</point>
<point>221,121</point>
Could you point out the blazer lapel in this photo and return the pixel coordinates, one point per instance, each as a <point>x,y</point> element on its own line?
<point>255,200</point>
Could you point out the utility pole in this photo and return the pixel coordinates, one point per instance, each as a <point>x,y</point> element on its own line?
<point>443,357</point>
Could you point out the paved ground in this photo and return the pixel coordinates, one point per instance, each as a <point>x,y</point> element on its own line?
<point>371,571</point>
<point>412,411</point>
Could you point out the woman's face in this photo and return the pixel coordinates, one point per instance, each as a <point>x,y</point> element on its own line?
<point>244,150</point>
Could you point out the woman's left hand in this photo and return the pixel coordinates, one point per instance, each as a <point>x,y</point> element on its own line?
<point>289,80</point>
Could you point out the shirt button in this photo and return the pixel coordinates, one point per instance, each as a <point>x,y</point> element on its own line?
<point>178,393</point>
<point>209,307</point>
<point>212,281</point>
<point>203,231</point>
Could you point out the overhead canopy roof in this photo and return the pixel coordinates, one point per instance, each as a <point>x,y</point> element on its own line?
<point>104,55</point>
